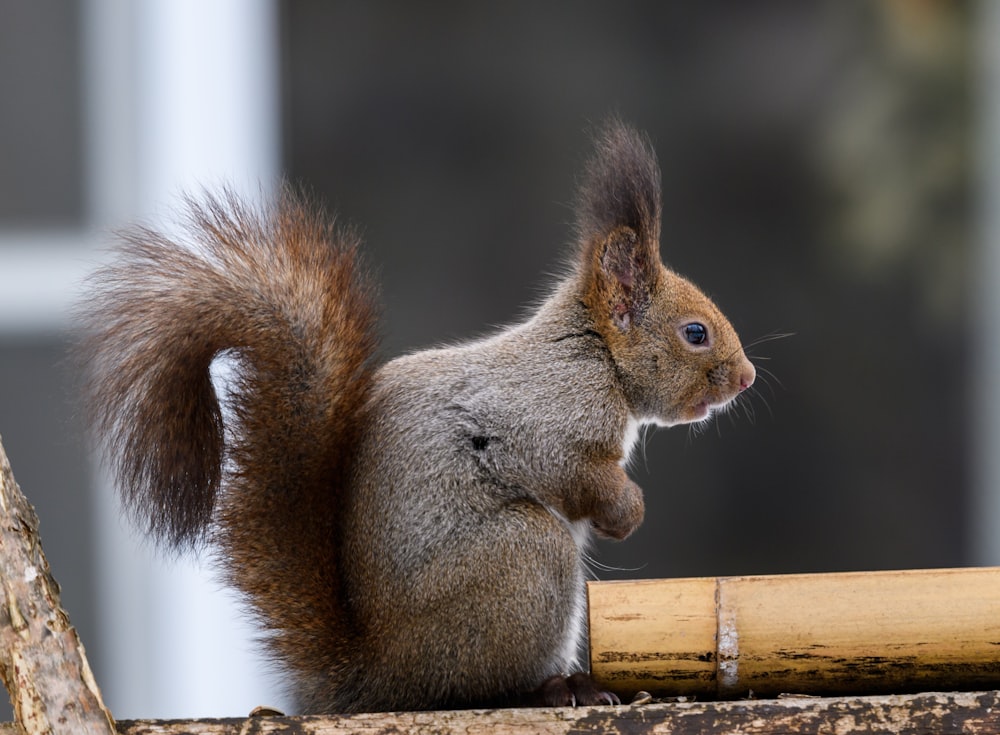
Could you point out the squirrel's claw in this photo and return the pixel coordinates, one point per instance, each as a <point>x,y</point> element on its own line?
<point>578,690</point>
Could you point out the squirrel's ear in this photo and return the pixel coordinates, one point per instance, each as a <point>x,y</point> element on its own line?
<point>618,223</point>
<point>623,273</point>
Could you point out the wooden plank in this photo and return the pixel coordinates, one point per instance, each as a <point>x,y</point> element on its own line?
<point>826,634</point>
<point>972,713</point>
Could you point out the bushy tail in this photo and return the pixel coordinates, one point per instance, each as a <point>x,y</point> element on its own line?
<point>280,289</point>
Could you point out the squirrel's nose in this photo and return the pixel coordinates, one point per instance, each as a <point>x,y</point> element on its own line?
<point>747,375</point>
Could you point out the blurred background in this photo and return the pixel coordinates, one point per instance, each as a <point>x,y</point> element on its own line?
<point>831,170</point>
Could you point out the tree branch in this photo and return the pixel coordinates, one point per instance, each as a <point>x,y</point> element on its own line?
<point>42,662</point>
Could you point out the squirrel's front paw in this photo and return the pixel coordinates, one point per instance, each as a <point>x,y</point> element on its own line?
<point>620,514</point>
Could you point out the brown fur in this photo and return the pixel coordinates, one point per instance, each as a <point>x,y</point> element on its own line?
<point>409,535</point>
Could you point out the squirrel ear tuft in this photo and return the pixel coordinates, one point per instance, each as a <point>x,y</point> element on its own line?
<point>620,186</point>
<point>618,221</point>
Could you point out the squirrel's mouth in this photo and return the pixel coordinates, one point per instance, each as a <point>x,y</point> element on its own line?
<point>704,408</point>
<point>700,411</point>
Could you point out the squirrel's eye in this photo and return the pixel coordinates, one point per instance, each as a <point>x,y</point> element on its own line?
<point>695,333</point>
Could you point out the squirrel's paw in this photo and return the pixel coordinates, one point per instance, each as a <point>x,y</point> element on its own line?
<point>621,513</point>
<point>572,691</point>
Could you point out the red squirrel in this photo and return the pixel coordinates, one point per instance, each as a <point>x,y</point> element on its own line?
<point>408,534</point>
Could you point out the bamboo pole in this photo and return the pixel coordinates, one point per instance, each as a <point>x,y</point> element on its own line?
<point>854,633</point>
<point>42,662</point>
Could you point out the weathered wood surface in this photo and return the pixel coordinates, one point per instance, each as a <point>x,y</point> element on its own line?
<point>825,634</point>
<point>42,662</point>
<point>972,713</point>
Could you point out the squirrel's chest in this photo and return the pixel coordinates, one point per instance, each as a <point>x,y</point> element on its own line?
<point>630,438</point>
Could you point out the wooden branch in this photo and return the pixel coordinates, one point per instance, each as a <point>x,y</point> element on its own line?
<point>971,713</point>
<point>858,633</point>
<point>42,662</point>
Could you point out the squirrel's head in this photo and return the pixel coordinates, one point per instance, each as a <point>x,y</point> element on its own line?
<point>677,356</point>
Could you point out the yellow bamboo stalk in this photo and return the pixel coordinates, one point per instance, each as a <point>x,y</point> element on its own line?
<point>852,633</point>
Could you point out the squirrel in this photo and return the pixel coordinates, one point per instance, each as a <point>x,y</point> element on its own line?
<point>410,534</point>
